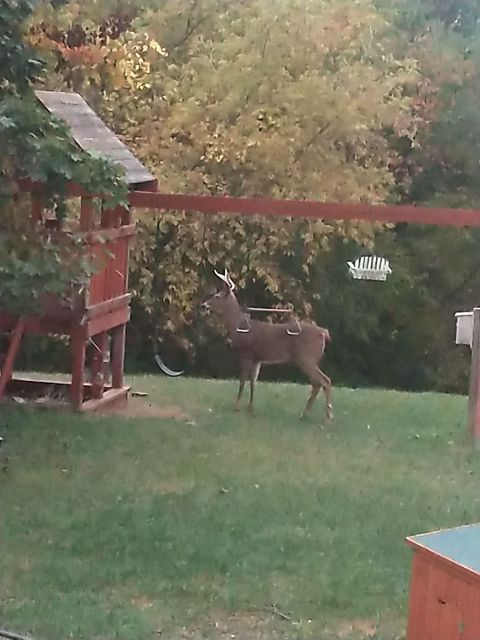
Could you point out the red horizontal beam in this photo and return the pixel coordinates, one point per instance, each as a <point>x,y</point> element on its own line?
<point>108,306</point>
<point>305,209</point>
<point>294,208</point>
<point>108,321</point>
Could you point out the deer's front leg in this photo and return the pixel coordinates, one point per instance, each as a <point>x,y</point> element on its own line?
<point>254,373</point>
<point>245,367</point>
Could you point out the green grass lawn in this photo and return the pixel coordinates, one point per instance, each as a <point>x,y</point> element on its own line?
<point>211,524</point>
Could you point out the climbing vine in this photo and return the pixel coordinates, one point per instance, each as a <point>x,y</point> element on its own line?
<point>38,147</point>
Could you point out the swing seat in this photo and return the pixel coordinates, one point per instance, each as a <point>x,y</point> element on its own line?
<point>369,268</point>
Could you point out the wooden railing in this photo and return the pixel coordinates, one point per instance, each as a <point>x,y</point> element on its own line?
<point>111,279</point>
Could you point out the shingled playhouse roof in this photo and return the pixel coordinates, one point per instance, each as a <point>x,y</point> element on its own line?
<point>91,134</point>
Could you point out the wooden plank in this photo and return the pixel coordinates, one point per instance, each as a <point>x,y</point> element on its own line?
<point>305,209</point>
<point>107,218</point>
<point>99,348</point>
<point>108,306</point>
<point>111,397</point>
<point>418,594</point>
<point>118,156</point>
<point>85,125</point>
<point>442,615</point>
<point>60,98</point>
<point>87,214</point>
<point>118,356</point>
<point>290,208</point>
<point>450,566</point>
<point>96,290</point>
<point>27,383</point>
<point>37,207</point>
<point>13,347</point>
<point>474,390</point>
<point>103,144</point>
<point>126,216</point>
<point>78,345</point>
<point>469,608</point>
<point>108,322</point>
<point>146,186</point>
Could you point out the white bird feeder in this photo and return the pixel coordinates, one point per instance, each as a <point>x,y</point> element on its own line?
<point>369,268</point>
<point>464,332</point>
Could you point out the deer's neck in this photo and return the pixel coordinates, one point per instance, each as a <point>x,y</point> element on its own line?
<point>231,315</point>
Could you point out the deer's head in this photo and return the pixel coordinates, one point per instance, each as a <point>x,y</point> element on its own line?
<point>222,300</point>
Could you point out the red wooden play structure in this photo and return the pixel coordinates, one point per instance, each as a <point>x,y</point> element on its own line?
<point>101,311</point>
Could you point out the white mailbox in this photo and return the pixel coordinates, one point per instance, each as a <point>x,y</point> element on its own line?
<point>464,334</point>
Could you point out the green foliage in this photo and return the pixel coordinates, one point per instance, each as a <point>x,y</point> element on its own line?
<point>35,273</point>
<point>39,148</point>
<point>19,64</point>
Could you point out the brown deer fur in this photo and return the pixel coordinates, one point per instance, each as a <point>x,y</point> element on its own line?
<point>267,343</point>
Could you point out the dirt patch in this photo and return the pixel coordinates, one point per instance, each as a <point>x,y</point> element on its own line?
<point>356,629</point>
<point>241,626</point>
<point>144,408</point>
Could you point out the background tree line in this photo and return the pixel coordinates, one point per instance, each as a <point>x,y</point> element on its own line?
<point>333,100</point>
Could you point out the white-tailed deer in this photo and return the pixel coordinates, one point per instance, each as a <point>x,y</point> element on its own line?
<point>257,343</point>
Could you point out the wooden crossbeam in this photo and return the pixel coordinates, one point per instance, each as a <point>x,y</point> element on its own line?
<point>413,214</point>
<point>13,347</point>
<point>306,209</point>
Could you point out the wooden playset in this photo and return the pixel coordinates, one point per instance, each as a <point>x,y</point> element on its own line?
<point>99,313</point>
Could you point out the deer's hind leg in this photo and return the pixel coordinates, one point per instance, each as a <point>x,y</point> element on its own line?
<point>245,369</point>
<point>254,373</point>
<point>318,379</point>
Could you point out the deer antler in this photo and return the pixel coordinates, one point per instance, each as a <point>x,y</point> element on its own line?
<point>226,279</point>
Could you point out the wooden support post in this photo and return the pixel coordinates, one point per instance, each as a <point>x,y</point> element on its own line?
<point>37,207</point>
<point>118,355</point>
<point>116,217</point>
<point>474,392</point>
<point>99,349</point>
<point>13,347</point>
<point>79,348</point>
<point>110,218</point>
<point>126,215</point>
<point>86,214</point>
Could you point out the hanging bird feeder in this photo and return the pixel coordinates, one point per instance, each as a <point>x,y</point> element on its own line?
<point>369,268</point>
